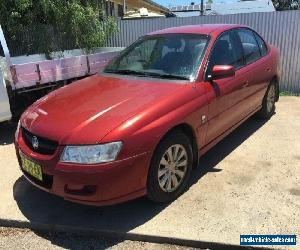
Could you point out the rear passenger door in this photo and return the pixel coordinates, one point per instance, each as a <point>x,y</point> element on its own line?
<point>257,67</point>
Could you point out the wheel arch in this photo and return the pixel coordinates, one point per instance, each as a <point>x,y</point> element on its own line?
<point>190,133</point>
<point>275,79</point>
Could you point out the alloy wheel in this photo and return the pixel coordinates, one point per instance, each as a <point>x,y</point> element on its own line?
<point>172,168</point>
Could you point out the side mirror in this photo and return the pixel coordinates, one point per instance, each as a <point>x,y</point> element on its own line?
<point>221,71</point>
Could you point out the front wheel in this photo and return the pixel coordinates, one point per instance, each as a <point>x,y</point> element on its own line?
<point>268,103</point>
<point>170,168</point>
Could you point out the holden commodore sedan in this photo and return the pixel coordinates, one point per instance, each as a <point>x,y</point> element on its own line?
<point>139,126</point>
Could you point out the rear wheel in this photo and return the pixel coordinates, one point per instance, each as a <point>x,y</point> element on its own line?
<point>170,168</point>
<point>268,103</point>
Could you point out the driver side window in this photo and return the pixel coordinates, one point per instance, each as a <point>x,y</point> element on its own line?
<point>226,51</point>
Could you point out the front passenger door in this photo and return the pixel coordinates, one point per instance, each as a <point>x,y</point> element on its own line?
<point>226,105</point>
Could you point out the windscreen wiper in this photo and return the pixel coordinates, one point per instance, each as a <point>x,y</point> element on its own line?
<point>145,74</point>
<point>169,76</point>
<point>126,72</point>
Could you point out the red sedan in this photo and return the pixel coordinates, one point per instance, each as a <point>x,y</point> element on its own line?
<point>139,127</point>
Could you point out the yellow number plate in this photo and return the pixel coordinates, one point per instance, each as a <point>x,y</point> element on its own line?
<point>31,168</point>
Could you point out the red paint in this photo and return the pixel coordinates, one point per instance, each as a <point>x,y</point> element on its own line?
<point>139,112</point>
<point>222,71</point>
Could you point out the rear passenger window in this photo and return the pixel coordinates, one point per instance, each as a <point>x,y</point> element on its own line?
<point>249,44</point>
<point>261,44</point>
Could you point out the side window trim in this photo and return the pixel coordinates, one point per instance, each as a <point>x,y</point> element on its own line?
<point>234,33</point>
<point>235,30</point>
<point>204,77</point>
<point>260,52</point>
<point>257,35</point>
<point>246,28</point>
<point>238,40</point>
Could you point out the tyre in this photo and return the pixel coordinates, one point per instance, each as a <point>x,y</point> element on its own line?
<point>268,103</point>
<point>170,168</point>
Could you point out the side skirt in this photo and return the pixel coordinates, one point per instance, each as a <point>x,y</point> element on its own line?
<point>207,147</point>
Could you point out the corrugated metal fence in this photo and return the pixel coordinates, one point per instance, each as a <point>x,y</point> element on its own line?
<point>279,28</point>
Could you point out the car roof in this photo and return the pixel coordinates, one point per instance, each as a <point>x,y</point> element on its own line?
<point>205,29</point>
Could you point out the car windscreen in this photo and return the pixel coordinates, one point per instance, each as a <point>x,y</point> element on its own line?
<point>170,56</point>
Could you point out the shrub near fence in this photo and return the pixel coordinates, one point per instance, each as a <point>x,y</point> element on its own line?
<point>281,29</point>
<point>33,40</point>
<point>45,38</point>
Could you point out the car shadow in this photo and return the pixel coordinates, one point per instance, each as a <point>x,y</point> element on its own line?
<point>216,154</point>
<point>44,208</point>
<point>7,131</point>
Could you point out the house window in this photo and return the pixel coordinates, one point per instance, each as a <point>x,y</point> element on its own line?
<point>112,8</point>
<point>107,12</point>
<point>120,10</point>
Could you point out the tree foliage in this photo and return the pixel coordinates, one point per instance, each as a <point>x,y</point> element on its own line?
<point>286,4</point>
<point>52,25</point>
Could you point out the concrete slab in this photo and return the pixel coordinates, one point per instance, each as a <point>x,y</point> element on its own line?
<point>248,184</point>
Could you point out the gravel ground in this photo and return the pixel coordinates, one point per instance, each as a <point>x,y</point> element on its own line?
<point>12,238</point>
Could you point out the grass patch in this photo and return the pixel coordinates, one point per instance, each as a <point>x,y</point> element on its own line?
<point>287,93</point>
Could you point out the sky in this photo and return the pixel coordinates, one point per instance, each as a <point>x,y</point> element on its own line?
<point>168,3</point>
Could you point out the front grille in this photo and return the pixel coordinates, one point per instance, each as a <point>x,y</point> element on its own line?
<point>46,183</point>
<point>45,146</point>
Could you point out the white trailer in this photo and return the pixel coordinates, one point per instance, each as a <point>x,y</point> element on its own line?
<point>24,75</point>
<point>5,112</point>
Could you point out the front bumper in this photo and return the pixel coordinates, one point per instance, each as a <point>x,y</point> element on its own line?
<point>101,184</point>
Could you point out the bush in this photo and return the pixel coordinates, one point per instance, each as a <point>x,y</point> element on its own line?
<point>44,26</point>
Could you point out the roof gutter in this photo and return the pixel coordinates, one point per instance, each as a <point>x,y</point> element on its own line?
<point>163,9</point>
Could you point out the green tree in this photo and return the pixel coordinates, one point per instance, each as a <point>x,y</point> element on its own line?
<point>286,4</point>
<point>44,26</point>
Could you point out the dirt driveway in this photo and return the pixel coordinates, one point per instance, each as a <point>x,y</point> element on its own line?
<point>248,184</point>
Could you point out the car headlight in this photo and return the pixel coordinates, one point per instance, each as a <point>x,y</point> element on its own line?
<point>91,154</point>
